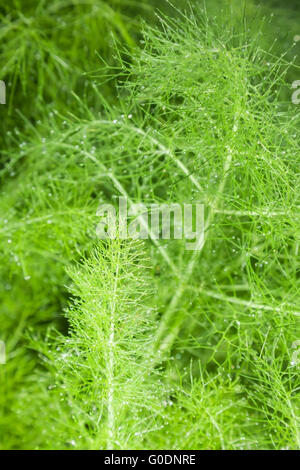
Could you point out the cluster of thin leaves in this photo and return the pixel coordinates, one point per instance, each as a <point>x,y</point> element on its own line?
<point>203,360</point>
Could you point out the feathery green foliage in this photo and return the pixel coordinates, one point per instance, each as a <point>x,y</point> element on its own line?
<point>106,389</point>
<point>197,353</point>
